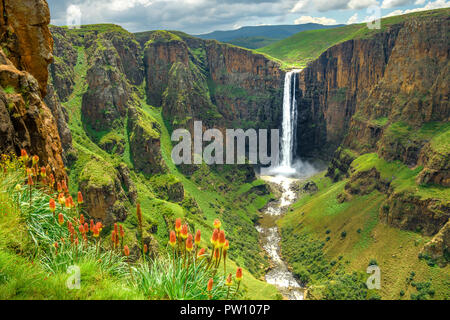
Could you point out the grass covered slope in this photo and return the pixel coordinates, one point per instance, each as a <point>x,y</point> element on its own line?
<point>306,46</point>
<point>200,198</point>
<point>330,242</point>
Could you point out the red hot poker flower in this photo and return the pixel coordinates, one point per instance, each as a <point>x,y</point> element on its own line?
<point>60,219</point>
<point>58,187</point>
<point>217,224</point>
<point>96,231</point>
<point>198,235</point>
<point>189,244</point>
<point>116,229</point>
<point>173,239</point>
<point>86,227</point>
<point>122,231</point>
<point>229,280</point>
<point>24,155</point>
<point>126,250</point>
<point>81,219</point>
<point>92,226</point>
<point>239,274</point>
<point>184,231</point>
<point>226,246</point>
<point>215,237</point>
<point>35,160</point>
<point>81,228</point>
<point>210,284</point>
<point>222,238</point>
<point>145,248</point>
<point>52,205</point>
<point>178,225</point>
<point>201,253</point>
<point>80,198</point>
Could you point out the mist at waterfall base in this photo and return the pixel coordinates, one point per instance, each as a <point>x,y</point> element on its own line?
<point>288,166</point>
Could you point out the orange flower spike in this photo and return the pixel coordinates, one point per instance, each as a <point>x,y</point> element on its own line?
<point>60,219</point>
<point>113,237</point>
<point>173,239</point>
<point>82,219</point>
<point>217,224</point>
<point>96,232</point>
<point>52,205</point>
<point>99,226</point>
<point>92,226</point>
<point>239,274</point>
<point>76,241</point>
<point>221,238</point>
<point>30,180</point>
<point>177,225</point>
<point>184,231</point>
<point>64,185</point>
<point>145,248</point>
<point>198,236</point>
<point>61,199</point>
<point>86,227</point>
<point>68,204</point>
<point>189,244</point>
<point>43,172</point>
<point>81,228</point>
<point>229,280</point>
<point>58,187</point>
<point>116,229</point>
<point>80,198</point>
<point>226,246</point>
<point>139,214</point>
<point>69,226</point>
<point>126,250</point>
<point>35,160</point>
<point>122,231</point>
<point>210,285</point>
<point>24,155</point>
<point>117,240</point>
<point>201,253</point>
<point>215,237</point>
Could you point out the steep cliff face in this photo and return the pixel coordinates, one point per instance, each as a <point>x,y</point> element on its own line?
<point>220,84</point>
<point>386,93</point>
<point>357,89</point>
<point>26,122</point>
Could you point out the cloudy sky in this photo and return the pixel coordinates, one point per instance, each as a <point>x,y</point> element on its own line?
<point>202,16</point>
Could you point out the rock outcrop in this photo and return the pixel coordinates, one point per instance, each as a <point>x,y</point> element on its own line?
<point>104,197</point>
<point>222,85</point>
<point>25,121</point>
<point>145,144</point>
<point>359,87</point>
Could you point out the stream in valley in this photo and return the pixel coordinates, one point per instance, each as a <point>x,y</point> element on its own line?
<point>279,274</point>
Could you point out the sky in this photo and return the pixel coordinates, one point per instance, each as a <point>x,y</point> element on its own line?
<point>203,16</point>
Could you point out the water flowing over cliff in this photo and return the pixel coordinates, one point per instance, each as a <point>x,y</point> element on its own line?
<point>289,123</point>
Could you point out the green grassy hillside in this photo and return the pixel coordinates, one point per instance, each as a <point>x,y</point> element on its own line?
<point>306,46</point>
<point>330,243</point>
<point>210,193</point>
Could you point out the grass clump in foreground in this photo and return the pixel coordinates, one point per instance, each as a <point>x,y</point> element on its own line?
<point>41,239</point>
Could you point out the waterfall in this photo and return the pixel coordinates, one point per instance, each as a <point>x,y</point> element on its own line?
<point>289,125</point>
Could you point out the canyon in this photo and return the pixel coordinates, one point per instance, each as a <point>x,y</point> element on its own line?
<point>97,105</point>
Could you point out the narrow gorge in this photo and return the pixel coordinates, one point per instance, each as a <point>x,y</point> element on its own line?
<point>362,180</point>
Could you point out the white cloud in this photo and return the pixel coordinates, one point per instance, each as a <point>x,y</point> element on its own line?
<point>119,5</point>
<point>320,20</point>
<point>361,4</point>
<point>328,5</point>
<point>387,4</point>
<point>353,19</point>
<point>438,4</point>
<point>420,2</point>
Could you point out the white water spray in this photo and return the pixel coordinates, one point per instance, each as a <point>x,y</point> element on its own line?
<point>289,124</point>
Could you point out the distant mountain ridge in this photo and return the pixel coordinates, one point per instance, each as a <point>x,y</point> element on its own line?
<point>254,37</point>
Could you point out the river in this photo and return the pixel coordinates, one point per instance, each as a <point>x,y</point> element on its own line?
<point>279,274</point>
